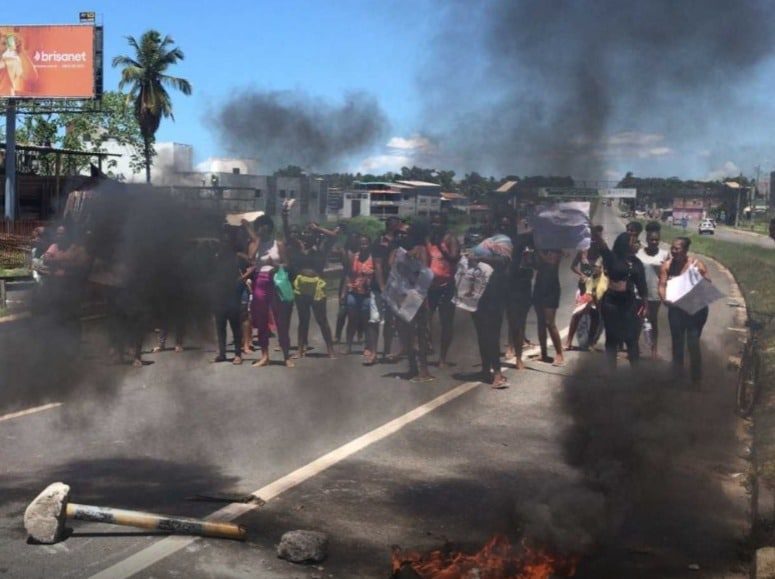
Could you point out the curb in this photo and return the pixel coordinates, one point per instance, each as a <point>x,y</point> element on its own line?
<point>15,317</point>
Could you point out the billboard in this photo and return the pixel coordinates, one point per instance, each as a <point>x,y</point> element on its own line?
<point>620,193</point>
<point>55,61</point>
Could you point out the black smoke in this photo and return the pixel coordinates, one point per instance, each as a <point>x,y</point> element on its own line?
<point>289,127</point>
<point>540,86</point>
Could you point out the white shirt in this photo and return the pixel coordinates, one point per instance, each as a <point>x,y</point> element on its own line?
<point>652,265</point>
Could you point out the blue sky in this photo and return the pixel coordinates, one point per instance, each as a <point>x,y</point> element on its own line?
<point>328,48</point>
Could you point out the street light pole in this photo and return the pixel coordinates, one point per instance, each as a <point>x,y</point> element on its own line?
<point>10,161</point>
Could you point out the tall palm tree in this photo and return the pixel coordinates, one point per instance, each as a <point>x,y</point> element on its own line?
<point>145,73</point>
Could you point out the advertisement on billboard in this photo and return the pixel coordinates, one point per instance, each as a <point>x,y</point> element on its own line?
<point>54,61</point>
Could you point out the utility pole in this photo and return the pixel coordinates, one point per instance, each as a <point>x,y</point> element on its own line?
<point>10,161</point>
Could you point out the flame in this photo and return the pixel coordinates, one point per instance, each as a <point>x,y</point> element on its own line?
<point>496,560</point>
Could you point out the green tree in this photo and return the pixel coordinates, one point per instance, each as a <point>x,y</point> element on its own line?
<point>81,126</point>
<point>147,78</point>
<point>289,171</point>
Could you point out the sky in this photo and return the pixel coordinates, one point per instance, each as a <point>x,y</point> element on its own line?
<point>429,72</point>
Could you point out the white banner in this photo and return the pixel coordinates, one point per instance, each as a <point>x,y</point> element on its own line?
<point>407,285</point>
<point>470,283</point>
<point>691,292</point>
<point>562,226</point>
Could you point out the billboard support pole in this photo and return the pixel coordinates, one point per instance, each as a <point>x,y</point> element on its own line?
<point>10,161</point>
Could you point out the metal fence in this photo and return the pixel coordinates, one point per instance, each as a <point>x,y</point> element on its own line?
<point>15,243</point>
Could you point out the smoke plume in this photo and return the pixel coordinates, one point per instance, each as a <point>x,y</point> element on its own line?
<point>285,127</point>
<point>547,86</point>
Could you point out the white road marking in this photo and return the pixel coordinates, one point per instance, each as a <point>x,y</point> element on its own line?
<point>29,411</point>
<point>169,545</point>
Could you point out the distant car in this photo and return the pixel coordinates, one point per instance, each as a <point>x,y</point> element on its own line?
<point>707,226</point>
<point>473,236</point>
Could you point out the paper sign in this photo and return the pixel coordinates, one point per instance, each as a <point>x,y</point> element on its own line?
<point>470,283</point>
<point>407,285</point>
<point>691,292</point>
<point>235,219</point>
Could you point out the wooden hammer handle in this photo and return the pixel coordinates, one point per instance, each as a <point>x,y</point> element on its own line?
<point>178,525</point>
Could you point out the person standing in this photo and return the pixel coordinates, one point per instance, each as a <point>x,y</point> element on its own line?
<point>309,285</point>
<point>359,285</point>
<point>519,288</point>
<point>414,333</point>
<point>685,328</point>
<point>546,300</point>
<point>226,295</point>
<point>270,256</point>
<point>583,265</point>
<point>495,251</point>
<point>381,253</point>
<point>620,308</point>
<point>652,257</point>
<point>443,250</point>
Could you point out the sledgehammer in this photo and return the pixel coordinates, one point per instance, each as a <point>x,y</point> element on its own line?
<point>45,517</point>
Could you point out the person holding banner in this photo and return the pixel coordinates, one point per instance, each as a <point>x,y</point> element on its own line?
<point>496,252</point>
<point>409,266</point>
<point>685,328</point>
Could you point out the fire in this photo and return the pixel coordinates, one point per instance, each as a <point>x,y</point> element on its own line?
<point>496,560</point>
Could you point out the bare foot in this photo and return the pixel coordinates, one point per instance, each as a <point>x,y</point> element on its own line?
<point>178,349</point>
<point>263,361</point>
<point>519,364</point>
<point>559,361</point>
<point>237,360</point>
<point>499,381</point>
<point>289,363</point>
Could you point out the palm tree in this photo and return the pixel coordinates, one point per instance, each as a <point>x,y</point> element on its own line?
<point>145,73</point>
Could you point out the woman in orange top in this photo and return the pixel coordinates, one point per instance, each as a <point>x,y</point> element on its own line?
<point>443,250</point>
<point>359,282</point>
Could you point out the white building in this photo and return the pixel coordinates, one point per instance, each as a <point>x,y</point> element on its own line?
<point>384,199</point>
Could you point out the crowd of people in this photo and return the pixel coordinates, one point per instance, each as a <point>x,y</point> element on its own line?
<point>255,277</point>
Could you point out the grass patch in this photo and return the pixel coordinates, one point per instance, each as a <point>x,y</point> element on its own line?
<point>754,270</point>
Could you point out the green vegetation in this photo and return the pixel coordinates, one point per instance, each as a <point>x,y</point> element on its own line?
<point>145,74</point>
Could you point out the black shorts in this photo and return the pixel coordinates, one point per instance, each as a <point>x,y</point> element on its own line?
<point>440,294</point>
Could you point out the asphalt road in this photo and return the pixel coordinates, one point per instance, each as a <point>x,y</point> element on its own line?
<point>733,235</point>
<point>637,475</point>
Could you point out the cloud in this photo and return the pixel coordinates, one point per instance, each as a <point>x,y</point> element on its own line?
<point>416,142</point>
<point>633,145</point>
<point>633,139</point>
<point>728,169</point>
<point>383,163</point>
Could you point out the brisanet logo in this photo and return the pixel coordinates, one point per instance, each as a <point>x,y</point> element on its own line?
<point>42,57</point>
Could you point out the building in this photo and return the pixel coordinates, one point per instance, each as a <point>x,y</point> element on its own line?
<point>231,184</point>
<point>451,201</point>
<point>384,199</point>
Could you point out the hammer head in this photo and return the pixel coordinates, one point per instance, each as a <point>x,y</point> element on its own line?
<point>44,518</point>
